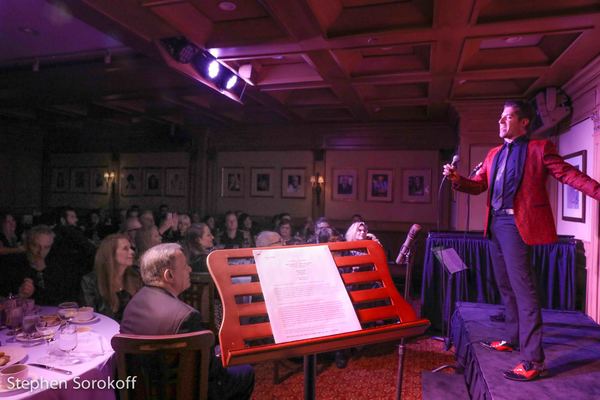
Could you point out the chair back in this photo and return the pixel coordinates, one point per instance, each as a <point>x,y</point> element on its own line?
<point>201,296</point>
<point>166,366</point>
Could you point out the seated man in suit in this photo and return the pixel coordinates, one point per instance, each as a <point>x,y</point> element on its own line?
<point>156,310</point>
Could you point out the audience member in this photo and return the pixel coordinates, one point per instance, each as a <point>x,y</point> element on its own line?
<point>9,242</point>
<point>34,274</point>
<point>232,238</point>
<point>131,228</point>
<point>285,230</point>
<point>359,231</point>
<point>114,280</point>
<point>183,224</point>
<point>156,310</point>
<point>147,219</point>
<point>321,224</point>
<point>268,239</point>
<point>196,244</point>
<point>71,246</point>
<point>246,226</point>
<point>147,238</point>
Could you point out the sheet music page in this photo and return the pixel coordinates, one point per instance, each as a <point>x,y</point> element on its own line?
<point>304,293</point>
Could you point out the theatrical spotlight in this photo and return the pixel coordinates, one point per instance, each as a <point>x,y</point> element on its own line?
<point>180,49</point>
<point>231,82</point>
<point>213,69</point>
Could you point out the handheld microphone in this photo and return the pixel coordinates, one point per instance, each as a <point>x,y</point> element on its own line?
<point>408,243</point>
<point>477,168</point>
<point>455,160</point>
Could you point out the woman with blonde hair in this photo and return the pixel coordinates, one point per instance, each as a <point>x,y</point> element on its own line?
<point>359,231</point>
<point>114,280</point>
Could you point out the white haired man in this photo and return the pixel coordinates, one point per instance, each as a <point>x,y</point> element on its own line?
<point>156,310</point>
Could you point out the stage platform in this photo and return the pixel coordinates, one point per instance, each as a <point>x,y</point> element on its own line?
<point>571,344</point>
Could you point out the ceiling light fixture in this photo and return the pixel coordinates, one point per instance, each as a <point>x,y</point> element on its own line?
<point>227,6</point>
<point>231,82</point>
<point>213,69</point>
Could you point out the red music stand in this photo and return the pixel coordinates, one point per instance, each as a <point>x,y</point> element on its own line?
<point>246,335</point>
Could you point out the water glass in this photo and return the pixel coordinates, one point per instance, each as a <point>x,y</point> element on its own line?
<point>67,341</point>
<point>14,318</point>
<point>29,322</point>
<point>47,328</point>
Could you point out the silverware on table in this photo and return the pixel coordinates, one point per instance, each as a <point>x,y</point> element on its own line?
<point>49,368</point>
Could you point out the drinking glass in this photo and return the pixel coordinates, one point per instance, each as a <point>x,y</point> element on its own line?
<point>67,341</point>
<point>29,322</point>
<point>14,318</point>
<point>47,329</point>
<point>67,310</point>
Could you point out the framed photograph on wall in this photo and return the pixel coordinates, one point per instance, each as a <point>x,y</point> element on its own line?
<point>262,182</point>
<point>232,182</point>
<point>573,201</point>
<point>59,182</point>
<point>176,182</point>
<point>80,180</point>
<point>293,183</point>
<point>344,185</point>
<point>97,182</point>
<point>131,182</point>
<point>416,185</point>
<point>153,182</point>
<point>379,185</point>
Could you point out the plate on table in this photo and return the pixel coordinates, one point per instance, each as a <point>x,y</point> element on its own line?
<point>33,338</point>
<point>78,320</point>
<point>15,353</point>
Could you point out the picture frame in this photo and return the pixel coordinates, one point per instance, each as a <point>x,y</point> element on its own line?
<point>293,183</point>
<point>175,182</point>
<point>232,182</point>
<point>80,180</point>
<point>97,182</point>
<point>344,186</point>
<point>262,182</point>
<point>573,201</point>
<point>59,181</point>
<point>380,185</point>
<point>153,181</point>
<point>416,185</point>
<point>131,182</point>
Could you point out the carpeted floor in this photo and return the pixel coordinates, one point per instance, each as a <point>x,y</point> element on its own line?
<point>370,374</point>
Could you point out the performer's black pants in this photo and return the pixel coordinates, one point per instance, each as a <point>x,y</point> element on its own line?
<point>516,281</point>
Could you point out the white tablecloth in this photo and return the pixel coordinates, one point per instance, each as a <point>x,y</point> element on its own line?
<point>96,366</point>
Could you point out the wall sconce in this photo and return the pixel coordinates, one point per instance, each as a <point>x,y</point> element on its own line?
<point>317,182</point>
<point>109,176</point>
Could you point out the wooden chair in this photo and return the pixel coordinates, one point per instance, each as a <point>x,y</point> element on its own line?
<point>201,296</point>
<point>166,366</point>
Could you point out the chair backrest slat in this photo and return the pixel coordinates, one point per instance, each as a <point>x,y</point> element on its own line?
<point>189,353</point>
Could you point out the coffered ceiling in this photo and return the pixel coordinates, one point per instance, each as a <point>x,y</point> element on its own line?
<point>311,61</point>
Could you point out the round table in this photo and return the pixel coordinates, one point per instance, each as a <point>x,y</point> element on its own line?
<point>92,376</point>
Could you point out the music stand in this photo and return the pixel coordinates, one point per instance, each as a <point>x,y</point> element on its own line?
<point>251,341</point>
<point>450,261</point>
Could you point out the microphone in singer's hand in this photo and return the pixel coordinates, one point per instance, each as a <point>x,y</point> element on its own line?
<point>408,243</point>
<point>455,160</point>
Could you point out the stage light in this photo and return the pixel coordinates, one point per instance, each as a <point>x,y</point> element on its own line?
<point>231,82</point>
<point>180,49</point>
<point>213,69</point>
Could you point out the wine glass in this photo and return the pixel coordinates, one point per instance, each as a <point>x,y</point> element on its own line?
<point>68,341</point>
<point>47,328</point>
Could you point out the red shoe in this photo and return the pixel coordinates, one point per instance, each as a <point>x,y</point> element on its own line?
<point>526,371</point>
<point>498,345</point>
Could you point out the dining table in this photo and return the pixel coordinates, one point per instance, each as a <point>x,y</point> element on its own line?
<point>90,362</point>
